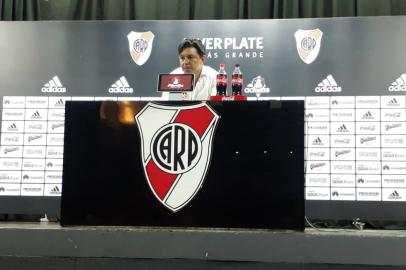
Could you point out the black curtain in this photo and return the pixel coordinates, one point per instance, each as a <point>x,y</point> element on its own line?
<point>25,10</point>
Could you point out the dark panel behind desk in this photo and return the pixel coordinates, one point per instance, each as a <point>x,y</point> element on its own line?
<point>255,178</point>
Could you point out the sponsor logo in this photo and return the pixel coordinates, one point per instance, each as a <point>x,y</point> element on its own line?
<point>55,126</point>
<point>13,114</point>
<point>328,85</point>
<point>342,167</point>
<point>55,190</point>
<point>121,86</point>
<point>317,165</point>
<point>393,167</point>
<point>367,128</point>
<point>368,116</point>
<point>59,103</point>
<point>342,141</point>
<point>175,83</point>
<point>317,141</point>
<point>12,127</point>
<point>257,86</point>
<point>365,101</point>
<point>367,139</point>
<point>10,149</point>
<point>57,114</point>
<point>32,189</point>
<point>392,126</point>
<point>391,141</point>
<point>368,193</point>
<point>176,152</point>
<point>343,152</point>
<point>343,114</point>
<point>365,154</point>
<point>395,195</point>
<point>35,127</point>
<point>393,102</point>
<point>392,115</point>
<point>12,139</point>
<point>140,45</point>
<point>36,115</point>
<point>399,84</point>
<point>317,154</point>
<point>308,44</point>
<point>318,128</point>
<point>391,155</point>
<point>53,86</point>
<point>33,138</point>
<point>342,129</point>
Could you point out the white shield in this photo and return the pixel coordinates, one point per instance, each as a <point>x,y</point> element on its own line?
<point>176,146</point>
<point>140,45</point>
<point>308,44</point>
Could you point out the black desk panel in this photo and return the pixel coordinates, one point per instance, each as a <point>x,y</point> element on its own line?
<point>251,171</point>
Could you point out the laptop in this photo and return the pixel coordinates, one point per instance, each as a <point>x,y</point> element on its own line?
<point>175,83</point>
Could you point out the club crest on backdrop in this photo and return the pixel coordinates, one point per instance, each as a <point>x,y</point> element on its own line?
<point>308,44</point>
<point>176,146</point>
<point>140,45</point>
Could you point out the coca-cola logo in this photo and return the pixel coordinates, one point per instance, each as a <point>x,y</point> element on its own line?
<point>221,80</point>
<point>237,81</point>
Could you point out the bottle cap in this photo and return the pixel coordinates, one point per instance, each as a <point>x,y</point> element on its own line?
<point>237,65</point>
<point>221,65</point>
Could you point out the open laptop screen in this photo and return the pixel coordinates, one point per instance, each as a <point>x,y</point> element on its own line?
<point>175,82</point>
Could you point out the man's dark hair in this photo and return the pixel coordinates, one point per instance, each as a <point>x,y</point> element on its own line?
<point>192,43</point>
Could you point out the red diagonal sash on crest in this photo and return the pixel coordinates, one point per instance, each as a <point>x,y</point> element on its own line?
<point>198,119</point>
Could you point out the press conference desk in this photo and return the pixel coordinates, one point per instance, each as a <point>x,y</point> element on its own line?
<point>36,244</point>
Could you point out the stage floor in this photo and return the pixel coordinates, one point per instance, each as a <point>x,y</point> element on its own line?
<point>313,246</point>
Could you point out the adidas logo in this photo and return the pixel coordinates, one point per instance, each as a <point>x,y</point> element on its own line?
<point>342,128</point>
<point>55,189</point>
<point>393,101</point>
<point>25,177</point>
<point>385,168</point>
<point>121,86</point>
<point>59,103</point>
<point>2,189</point>
<point>328,85</point>
<point>12,127</point>
<point>49,164</point>
<point>53,86</point>
<point>399,84</point>
<point>36,115</point>
<point>317,141</point>
<point>367,115</point>
<point>394,195</point>
<point>334,193</point>
<point>361,181</point>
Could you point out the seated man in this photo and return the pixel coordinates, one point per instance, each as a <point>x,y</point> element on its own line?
<point>192,55</point>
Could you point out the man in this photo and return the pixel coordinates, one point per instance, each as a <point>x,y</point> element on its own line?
<point>192,55</point>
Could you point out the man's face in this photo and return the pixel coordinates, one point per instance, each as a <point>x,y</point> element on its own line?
<point>191,61</point>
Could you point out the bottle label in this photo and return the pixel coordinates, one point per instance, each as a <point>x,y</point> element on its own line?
<point>236,80</point>
<point>222,80</point>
